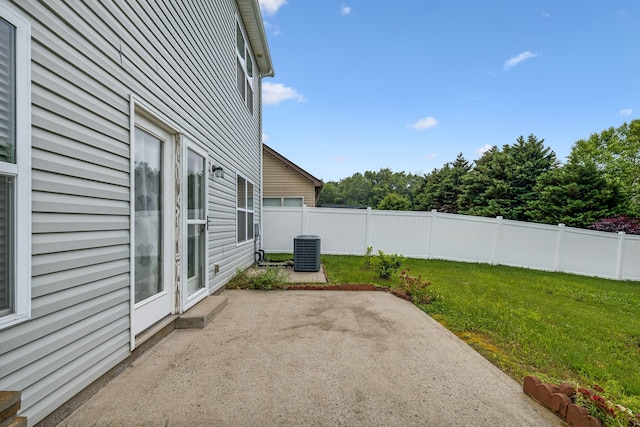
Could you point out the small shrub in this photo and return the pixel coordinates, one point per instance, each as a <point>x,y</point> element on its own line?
<point>617,223</point>
<point>387,265</point>
<point>368,258</point>
<point>415,287</point>
<point>269,278</point>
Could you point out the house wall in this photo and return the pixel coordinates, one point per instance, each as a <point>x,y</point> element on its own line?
<point>88,58</point>
<point>282,181</point>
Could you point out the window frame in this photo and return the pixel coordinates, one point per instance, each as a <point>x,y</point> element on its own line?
<point>282,201</point>
<point>244,68</point>
<point>20,170</point>
<point>249,210</point>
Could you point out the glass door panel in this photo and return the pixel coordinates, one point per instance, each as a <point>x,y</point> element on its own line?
<point>148,221</point>
<point>195,255</point>
<point>196,222</point>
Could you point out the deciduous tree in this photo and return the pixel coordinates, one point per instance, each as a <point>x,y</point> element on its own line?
<point>616,151</point>
<point>395,202</point>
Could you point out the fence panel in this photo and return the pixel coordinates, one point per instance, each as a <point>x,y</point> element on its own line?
<point>400,232</point>
<point>342,232</point>
<point>279,228</point>
<point>630,265</point>
<point>533,246</point>
<point>460,238</point>
<point>457,238</point>
<point>590,253</point>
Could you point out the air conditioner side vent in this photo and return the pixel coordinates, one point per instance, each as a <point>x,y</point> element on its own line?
<point>306,253</point>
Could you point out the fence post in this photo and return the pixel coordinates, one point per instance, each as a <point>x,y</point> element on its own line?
<point>496,240</point>
<point>434,213</point>
<point>559,242</point>
<point>367,230</point>
<point>620,254</point>
<point>303,222</point>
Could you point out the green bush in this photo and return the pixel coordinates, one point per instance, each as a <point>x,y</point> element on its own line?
<point>385,265</point>
<point>415,287</point>
<point>266,279</point>
<point>368,257</point>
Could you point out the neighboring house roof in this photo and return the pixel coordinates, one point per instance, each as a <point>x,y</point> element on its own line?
<point>317,183</point>
<point>252,18</point>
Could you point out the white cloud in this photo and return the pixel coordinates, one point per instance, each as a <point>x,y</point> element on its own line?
<point>546,14</point>
<point>431,156</point>
<point>275,93</point>
<point>518,59</point>
<point>340,159</point>
<point>274,29</point>
<point>626,112</point>
<point>271,6</point>
<point>345,10</point>
<point>484,149</point>
<point>265,137</point>
<point>426,123</point>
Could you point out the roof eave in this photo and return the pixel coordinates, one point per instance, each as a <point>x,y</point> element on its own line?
<point>317,183</point>
<point>252,18</point>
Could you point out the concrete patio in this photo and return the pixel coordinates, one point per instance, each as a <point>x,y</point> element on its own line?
<point>313,358</point>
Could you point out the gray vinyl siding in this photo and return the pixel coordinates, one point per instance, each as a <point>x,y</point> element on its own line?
<point>88,57</point>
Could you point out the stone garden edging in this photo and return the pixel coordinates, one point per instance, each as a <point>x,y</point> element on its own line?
<point>557,398</point>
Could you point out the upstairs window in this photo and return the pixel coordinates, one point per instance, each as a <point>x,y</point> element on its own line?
<point>244,69</point>
<point>15,168</point>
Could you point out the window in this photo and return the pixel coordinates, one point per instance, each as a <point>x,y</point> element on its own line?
<point>244,69</point>
<point>271,201</point>
<point>15,168</point>
<point>244,210</point>
<point>282,201</point>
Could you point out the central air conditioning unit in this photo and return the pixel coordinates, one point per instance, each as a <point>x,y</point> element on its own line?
<point>306,253</point>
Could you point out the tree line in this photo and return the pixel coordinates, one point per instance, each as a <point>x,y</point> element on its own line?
<point>597,187</point>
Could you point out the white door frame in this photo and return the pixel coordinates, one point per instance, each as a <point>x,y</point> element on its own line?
<point>189,301</point>
<point>154,308</point>
<point>145,313</point>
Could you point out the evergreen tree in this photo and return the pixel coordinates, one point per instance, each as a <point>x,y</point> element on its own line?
<point>576,194</point>
<point>442,187</point>
<point>502,181</point>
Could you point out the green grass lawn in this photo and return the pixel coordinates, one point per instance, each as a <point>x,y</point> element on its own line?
<point>557,326</point>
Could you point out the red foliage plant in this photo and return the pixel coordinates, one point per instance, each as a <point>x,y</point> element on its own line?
<point>617,223</point>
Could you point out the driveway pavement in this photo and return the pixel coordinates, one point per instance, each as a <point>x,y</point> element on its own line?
<point>313,358</point>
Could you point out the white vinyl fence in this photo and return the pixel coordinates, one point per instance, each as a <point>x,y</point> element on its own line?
<point>433,235</point>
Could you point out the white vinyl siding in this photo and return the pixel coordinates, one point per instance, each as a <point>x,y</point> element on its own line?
<point>86,61</point>
<point>15,168</point>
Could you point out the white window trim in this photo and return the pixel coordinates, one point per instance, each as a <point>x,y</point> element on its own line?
<point>248,86</point>
<point>22,169</point>
<point>246,210</point>
<point>281,198</point>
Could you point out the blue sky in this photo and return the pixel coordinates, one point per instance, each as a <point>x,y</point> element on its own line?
<point>362,85</point>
